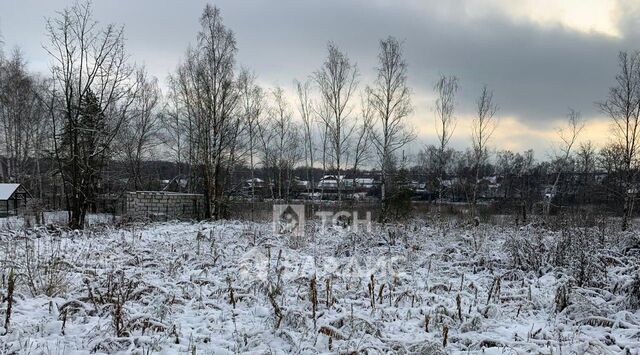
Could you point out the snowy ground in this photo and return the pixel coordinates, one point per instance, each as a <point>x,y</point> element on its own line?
<point>235,287</point>
<point>54,217</point>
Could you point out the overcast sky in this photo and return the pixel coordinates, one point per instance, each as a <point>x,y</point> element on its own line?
<point>541,57</point>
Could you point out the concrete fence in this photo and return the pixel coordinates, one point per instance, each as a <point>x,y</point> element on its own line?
<point>162,206</point>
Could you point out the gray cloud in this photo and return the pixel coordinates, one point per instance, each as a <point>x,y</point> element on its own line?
<point>536,72</point>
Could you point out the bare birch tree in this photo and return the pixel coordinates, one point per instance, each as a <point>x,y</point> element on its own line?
<point>362,140</point>
<point>140,133</point>
<point>337,81</point>
<point>622,105</point>
<point>209,93</point>
<point>327,161</point>
<point>483,126</point>
<point>446,89</point>
<point>568,137</point>
<point>286,142</point>
<point>251,107</point>
<point>390,98</point>
<point>266,151</point>
<point>177,133</point>
<point>305,108</point>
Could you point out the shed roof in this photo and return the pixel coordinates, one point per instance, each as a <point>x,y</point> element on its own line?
<point>7,190</point>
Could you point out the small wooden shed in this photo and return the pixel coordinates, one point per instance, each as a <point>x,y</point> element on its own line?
<point>13,198</point>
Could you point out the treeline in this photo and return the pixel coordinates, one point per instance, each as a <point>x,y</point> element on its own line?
<point>93,123</point>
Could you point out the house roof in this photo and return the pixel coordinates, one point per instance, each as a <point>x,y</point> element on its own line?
<point>7,190</point>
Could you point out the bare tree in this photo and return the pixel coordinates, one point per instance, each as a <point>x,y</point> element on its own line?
<point>286,142</point>
<point>390,98</point>
<point>337,81</point>
<point>586,160</point>
<point>446,88</point>
<point>91,93</point>
<point>362,140</point>
<point>305,108</point>
<point>586,157</point>
<point>568,137</point>
<point>323,128</point>
<point>266,151</point>
<point>22,116</point>
<point>176,132</point>
<point>519,166</point>
<point>610,159</point>
<point>483,126</point>
<point>252,107</point>
<point>623,107</point>
<point>140,133</point>
<point>209,94</point>
<point>236,145</point>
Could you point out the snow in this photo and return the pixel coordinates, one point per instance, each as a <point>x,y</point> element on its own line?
<point>176,281</point>
<point>55,217</point>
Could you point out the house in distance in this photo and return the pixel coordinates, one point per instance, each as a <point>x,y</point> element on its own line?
<point>13,199</point>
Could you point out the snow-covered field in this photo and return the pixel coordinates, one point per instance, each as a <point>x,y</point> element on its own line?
<point>54,217</point>
<point>235,287</point>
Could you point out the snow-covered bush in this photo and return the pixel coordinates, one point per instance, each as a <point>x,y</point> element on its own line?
<point>576,250</point>
<point>632,293</point>
<point>42,263</point>
<point>580,251</point>
<point>527,248</point>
